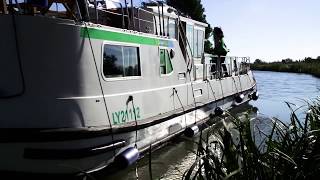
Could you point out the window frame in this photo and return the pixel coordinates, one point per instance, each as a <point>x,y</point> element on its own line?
<point>197,28</point>
<point>166,49</point>
<point>125,77</point>
<point>173,22</point>
<point>192,38</point>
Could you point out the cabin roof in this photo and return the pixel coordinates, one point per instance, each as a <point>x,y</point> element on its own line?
<point>174,15</point>
<point>198,23</point>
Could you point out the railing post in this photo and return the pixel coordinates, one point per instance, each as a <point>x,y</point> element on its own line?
<point>230,66</point>
<point>139,20</point>
<point>3,6</point>
<point>168,19</point>
<point>163,32</point>
<point>96,11</point>
<point>219,66</point>
<point>125,2</point>
<point>78,9</point>
<point>178,32</point>
<point>132,16</point>
<point>155,23</point>
<point>159,19</point>
<point>122,12</point>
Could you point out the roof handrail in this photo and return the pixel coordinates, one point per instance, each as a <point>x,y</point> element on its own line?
<point>163,31</point>
<point>185,44</point>
<point>125,2</point>
<point>122,12</point>
<point>132,15</point>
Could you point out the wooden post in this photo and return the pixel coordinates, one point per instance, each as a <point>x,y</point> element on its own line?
<point>3,7</point>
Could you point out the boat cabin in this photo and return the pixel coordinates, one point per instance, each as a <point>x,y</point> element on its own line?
<point>155,18</point>
<point>152,18</point>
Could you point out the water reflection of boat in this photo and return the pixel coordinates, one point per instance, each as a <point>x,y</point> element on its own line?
<point>83,86</point>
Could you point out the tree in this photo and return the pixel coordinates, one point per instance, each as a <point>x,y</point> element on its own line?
<point>288,60</point>
<point>195,10</point>
<point>308,60</point>
<point>258,61</point>
<point>208,47</point>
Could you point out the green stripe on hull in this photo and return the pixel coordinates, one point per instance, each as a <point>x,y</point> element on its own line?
<point>121,37</point>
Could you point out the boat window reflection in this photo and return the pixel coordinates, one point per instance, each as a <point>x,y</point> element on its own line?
<point>120,61</point>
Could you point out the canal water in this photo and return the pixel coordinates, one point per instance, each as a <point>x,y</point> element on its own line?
<point>276,88</point>
<point>172,160</point>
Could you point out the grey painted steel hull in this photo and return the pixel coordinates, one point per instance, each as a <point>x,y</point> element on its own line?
<point>52,113</point>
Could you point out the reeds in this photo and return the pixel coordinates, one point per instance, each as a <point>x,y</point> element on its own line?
<point>251,148</point>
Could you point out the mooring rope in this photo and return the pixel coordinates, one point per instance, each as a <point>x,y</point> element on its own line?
<point>221,91</point>
<point>240,83</point>
<point>101,88</point>
<point>213,93</point>
<point>130,98</point>
<point>135,120</point>
<point>235,84</point>
<point>249,78</point>
<point>194,99</point>
<point>184,112</point>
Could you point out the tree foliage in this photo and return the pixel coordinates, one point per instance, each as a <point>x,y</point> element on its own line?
<point>258,61</point>
<point>307,65</point>
<point>288,60</point>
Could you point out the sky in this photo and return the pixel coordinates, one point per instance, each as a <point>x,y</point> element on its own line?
<point>270,30</point>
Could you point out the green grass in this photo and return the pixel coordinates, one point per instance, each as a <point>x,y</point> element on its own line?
<point>242,150</point>
<point>312,67</point>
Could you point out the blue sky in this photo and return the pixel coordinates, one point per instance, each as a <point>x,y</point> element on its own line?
<point>268,29</point>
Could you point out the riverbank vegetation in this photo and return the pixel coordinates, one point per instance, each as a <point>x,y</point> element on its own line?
<point>249,148</point>
<point>307,66</point>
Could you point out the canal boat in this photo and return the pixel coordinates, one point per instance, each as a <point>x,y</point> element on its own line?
<point>89,84</point>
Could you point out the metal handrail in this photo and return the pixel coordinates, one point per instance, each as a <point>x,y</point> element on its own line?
<point>154,19</point>
<point>185,44</point>
<point>125,2</point>
<point>155,23</point>
<point>132,15</point>
<point>242,64</point>
<point>245,58</point>
<point>143,20</point>
<point>110,12</point>
<point>159,14</point>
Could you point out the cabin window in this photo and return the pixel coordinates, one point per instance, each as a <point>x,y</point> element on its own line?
<point>172,29</point>
<point>121,61</point>
<point>165,62</point>
<point>198,43</point>
<point>190,38</point>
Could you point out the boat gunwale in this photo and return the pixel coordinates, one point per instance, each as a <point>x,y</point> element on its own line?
<point>68,134</point>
